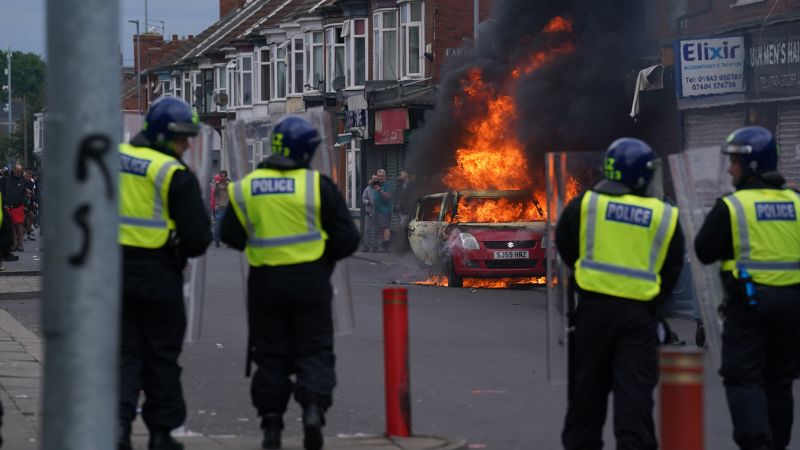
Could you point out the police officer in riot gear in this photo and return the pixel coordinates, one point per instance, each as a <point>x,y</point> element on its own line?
<point>293,225</point>
<point>163,221</point>
<point>627,250</point>
<point>756,234</point>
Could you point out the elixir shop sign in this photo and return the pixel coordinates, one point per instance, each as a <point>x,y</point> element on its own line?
<point>775,62</point>
<point>712,66</point>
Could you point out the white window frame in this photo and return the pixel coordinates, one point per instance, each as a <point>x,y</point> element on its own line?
<point>405,24</point>
<point>332,35</point>
<point>296,62</point>
<point>243,82</point>
<point>176,86</point>
<point>315,70</point>
<point>166,87</point>
<point>264,69</point>
<point>280,63</point>
<point>197,81</point>
<point>234,83</point>
<point>187,87</point>
<point>351,40</point>
<point>221,85</point>
<point>379,44</point>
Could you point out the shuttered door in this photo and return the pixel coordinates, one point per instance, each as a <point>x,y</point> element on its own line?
<point>709,127</point>
<point>789,142</point>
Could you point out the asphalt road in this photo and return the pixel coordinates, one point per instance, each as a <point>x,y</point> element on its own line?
<point>478,363</point>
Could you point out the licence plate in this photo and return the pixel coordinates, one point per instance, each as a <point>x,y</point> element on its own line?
<point>511,254</point>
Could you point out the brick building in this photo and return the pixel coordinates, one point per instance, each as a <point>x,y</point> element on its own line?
<point>372,63</point>
<point>725,65</point>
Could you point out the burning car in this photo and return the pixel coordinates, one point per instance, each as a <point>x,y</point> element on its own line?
<point>482,234</point>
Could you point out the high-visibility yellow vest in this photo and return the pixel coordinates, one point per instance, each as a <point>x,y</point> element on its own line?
<point>766,235</point>
<point>623,244</point>
<point>281,212</point>
<point>1,205</point>
<point>144,179</point>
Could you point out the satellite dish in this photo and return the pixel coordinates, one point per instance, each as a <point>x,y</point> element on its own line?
<point>338,83</point>
<point>221,99</point>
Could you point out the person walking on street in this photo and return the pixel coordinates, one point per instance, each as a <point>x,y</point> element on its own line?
<point>755,233</point>
<point>383,210</point>
<point>293,224</point>
<point>14,188</point>
<point>220,201</point>
<point>370,225</point>
<point>163,221</point>
<point>404,199</point>
<point>627,250</point>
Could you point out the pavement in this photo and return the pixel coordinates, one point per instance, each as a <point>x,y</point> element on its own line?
<point>22,372</point>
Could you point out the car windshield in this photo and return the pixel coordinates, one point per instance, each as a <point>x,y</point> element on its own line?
<point>498,209</point>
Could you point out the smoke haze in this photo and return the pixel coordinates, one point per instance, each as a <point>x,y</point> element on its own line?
<point>577,101</point>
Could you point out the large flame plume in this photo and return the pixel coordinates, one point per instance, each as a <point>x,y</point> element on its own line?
<point>492,156</point>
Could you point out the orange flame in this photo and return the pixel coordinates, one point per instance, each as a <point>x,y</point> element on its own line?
<point>498,210</point>
<point>491,155</point>
<point>558,24</point>
<point>486,283</point>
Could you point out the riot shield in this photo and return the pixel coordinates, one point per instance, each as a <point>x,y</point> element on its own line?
<point>327,161</point>
<point>197,158</point>
<point>568,174</point>
<point>697,177</point>
<point>248,142</point>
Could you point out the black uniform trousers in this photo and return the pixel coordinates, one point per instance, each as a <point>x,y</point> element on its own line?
<point>615,350</point>
<point>760,360</point>
<point>153,328</point>
<point>291,332</point>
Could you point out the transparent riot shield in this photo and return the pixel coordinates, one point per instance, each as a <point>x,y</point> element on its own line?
<point>197,158</point>
<point>568,174</point>
<point>248,142</point>
<point>698,178</point>
<point>131,124</point>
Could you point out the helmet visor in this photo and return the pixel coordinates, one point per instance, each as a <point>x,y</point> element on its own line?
<point>736,149</point>
<point>184,129</point>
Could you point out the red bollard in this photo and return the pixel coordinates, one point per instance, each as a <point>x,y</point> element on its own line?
<point>681,398</point>
<point>395,351</point>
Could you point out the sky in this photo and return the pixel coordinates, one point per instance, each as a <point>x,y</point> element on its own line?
<point>22,22</point>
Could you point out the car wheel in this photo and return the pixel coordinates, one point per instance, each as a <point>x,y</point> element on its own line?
<point>453,279</point>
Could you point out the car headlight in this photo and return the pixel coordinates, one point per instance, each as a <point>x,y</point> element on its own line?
<point>469,242</point>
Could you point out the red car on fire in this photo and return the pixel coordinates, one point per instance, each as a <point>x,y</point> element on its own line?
<point>481,234</point>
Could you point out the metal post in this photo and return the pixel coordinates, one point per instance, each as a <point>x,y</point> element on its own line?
<point>146,17</point>
<point>10,122</point>
<point>395,354</point>
<point>681,398</point>
<point>81,308</point>
<point>138,67</point>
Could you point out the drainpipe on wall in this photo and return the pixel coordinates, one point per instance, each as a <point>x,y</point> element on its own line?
<point>476,19</point>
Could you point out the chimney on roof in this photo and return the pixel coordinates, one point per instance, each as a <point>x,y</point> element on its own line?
<point>151,46</point>
<point>226,6</point>
<point>174,37</point>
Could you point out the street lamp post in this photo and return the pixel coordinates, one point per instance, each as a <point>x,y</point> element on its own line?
<point>8,88</point>
<point>138,67</point>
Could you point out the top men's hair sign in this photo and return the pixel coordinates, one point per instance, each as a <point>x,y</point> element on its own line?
<point>775,62</point>
<point>712,66</point>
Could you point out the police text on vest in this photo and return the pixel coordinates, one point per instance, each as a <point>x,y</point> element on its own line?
<point>135,166</point>
<point>262,186</point>
<point>630,214</point>
<point>775,211</point>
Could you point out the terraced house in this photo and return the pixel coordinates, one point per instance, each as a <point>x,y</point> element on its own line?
<point>373,64</point>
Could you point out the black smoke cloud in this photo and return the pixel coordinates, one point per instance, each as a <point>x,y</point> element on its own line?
<point>577,102</point>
